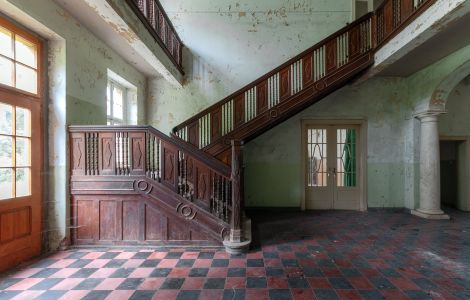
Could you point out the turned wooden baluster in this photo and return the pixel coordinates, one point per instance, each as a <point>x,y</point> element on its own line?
<point>236,230</point>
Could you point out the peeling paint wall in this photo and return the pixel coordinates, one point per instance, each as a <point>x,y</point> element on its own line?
<point>231,43</point>
<point>273,160</point>
<point>77,92</point>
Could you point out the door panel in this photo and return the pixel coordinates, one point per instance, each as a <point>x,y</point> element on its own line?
<point>332,167</point>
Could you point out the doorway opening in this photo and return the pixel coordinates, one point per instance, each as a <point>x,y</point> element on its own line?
<point>453,173</point>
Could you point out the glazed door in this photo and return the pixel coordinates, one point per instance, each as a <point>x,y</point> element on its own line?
<point>332,167</point>
<point>20,146</point>
<point>20,180</point>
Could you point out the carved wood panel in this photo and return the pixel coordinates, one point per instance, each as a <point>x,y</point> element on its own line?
<point>388,17</point>
<point>169,165</point>
<point>110,216</point>
<point>137,146</point>
<point>331,60</point>
<point>203,184</point>
<point>86,219</point>
<point>193,133</point>
<point>354,42</point>
<point>178,231</point>
<point>307,71</point>
<point>406,8</point>
<point>262,97</point>
<point>216,124</point>
<point>155,225</point>
<point>284,84</point>
<point>130,220</point>
<point>78,153</point>
<point>107,150</point>
<point>239,107</point>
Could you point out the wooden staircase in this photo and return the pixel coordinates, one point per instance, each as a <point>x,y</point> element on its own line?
<point>135,185</point>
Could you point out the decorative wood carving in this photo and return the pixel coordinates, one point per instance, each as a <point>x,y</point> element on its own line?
<point>78,153</point>
<point>216,124</point>
<point>138,152</point>
<point>331,50</point>
<point>107,149</point>
<point>239,107</point>
<point>262,97</point>
<point>284,84</point>
<point>307,72</point>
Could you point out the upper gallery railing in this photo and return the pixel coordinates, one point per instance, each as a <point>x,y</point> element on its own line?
<point>151,13</point>
<point>325,63</point>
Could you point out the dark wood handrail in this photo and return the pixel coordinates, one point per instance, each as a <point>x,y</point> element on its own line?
<point>321,66</point>
<point>148,11</point>
<point>123,151</point>
<point>211,162</point>
<point>272,72</point>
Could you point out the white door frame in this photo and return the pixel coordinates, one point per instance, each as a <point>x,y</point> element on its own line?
<point>362,123</point>
<point>466,140</point>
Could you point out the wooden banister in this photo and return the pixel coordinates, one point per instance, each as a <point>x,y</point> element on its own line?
<point>154,17</point>
<point>144,151</point>
<point>298,82</point>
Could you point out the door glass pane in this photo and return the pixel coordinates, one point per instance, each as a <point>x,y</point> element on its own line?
<point>346,157</point>
<point>6,119</point>
<point>6,75</point>
<point>6,184</point>
<point>23,121</point>
<point>6,149</point>
<point>23,152</point>
<point>25,51</point>
<point>26,79</point>
<point>316,164</point>
<point>23,182</point>
<point>6,42</point>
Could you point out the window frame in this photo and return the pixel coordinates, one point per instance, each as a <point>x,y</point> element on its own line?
<point>111,120</point>
<point>16,30</point>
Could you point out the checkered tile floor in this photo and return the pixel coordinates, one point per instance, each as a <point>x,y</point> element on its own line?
<point>313,255</point>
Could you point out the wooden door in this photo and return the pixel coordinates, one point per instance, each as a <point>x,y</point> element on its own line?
<point>332,168</point>
<point>21,155</point>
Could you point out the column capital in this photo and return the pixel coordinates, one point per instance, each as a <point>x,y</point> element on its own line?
<point>429,115</point>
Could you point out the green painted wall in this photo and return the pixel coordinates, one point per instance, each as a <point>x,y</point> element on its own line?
<point>231,43</point>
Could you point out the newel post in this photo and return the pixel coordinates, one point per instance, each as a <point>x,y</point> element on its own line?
<point>239,241</point>
<point>236,231</point>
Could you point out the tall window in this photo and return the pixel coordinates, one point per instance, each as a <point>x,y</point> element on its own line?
<point>116,103</point>
<point>18,60</point>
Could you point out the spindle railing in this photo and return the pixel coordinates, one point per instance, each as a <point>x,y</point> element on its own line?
<point>159,25</point>
<point>261,99</point>
<point>144,151</point>
<point>300,81</point>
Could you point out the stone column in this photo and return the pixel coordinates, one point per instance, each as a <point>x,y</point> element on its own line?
<point>429,168</point>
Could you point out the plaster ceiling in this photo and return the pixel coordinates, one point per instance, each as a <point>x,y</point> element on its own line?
<point>448,40</point>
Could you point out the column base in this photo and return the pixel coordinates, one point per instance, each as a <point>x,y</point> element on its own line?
<point>435,215</point>
<point>234,247</point>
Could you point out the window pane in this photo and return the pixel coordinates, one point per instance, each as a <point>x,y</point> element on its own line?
<point>6,42</point>
<point>6,149</point>
<point>6,116</point>
<point>6,75</point>
<point>118,95</point>
<point>6,184</point>
<point>346,157</point>
<point>25,51</point>
<point>26,79</point>
<point>108,100</point>
<point>23,152</point>
<point>23,121</point>
<point>23,182</point>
